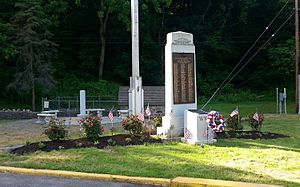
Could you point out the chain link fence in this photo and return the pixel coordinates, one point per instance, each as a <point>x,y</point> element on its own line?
<point>70,105</point>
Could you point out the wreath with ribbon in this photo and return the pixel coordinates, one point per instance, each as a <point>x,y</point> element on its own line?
<point>215,121</point>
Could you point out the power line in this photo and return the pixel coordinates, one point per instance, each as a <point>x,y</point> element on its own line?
<point>224,83</point>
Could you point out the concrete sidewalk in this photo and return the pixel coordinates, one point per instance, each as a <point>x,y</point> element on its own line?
<point>177,182</point>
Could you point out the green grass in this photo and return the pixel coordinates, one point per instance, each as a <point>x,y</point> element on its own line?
<point>259,161</point>
<point>245,108</point>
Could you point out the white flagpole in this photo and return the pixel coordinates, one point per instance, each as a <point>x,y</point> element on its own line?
<point>112,122</point>
<point>149,125</point>
<point>237,108</point>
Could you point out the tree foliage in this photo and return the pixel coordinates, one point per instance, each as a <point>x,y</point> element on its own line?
<point>35,49</point>
<point>94,42</point>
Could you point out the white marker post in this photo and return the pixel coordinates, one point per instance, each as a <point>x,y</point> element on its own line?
<point>82,103</point>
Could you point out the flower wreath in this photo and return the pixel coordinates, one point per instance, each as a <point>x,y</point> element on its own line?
<point>215,121</point>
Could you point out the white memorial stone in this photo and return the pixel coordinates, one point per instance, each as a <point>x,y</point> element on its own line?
<point>180,82</point>
<point>82,103</point>
<point>196,128</point>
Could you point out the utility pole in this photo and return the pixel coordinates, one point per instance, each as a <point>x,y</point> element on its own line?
<point>297,54</point>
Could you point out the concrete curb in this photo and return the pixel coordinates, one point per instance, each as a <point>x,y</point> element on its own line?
<point>177,182</point>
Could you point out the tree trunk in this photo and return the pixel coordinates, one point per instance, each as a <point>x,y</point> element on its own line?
<point>102,56</point>
<point>32,80</point>
<point>103,22</point>
<point>162,46</point>
<point>33,96</point>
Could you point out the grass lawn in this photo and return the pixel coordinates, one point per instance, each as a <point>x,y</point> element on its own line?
<point>245,108</point>
<point>260,161</point>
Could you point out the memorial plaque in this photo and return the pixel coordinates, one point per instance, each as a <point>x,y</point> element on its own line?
<point>183,78</point>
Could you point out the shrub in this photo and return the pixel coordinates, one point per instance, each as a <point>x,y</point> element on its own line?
<point>233,123</point>
<point>133,124</point>
<point>56,129</point>
<point>254,124</point>
<point>92,127</point>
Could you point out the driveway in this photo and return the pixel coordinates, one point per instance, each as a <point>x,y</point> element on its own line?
<point>20,180</point>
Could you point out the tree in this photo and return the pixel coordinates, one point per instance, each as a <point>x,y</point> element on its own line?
<point>120,9</point>
<point>106,8</point>
<point>35,49</point>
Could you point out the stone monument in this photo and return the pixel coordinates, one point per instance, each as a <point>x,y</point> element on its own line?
<point>180,82</point>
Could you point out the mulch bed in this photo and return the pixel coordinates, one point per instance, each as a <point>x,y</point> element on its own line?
<point>248,135</point>
<point>120,139</point>
<point>126,139</point>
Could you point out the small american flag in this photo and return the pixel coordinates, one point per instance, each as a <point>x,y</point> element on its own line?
<point>148,111</point>
<point>255,116</point>
<point>141,116</point>
<point>209,134</point>
<point>234,112</point>
<point>171,115</point>
<point>111,116</point>
<point>187,134</point>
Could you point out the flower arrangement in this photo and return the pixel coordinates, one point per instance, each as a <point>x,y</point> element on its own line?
<point>157,121</point>
<point>56,129</point>
<point>133,124</point>
<point>215,121</point>
<point>256,120</point>
<point>92,127</point>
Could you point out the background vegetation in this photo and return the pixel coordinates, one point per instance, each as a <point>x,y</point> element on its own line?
<point>52,48</point>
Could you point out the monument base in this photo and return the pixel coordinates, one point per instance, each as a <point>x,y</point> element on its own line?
<point>196,128</point>
<point>171,128</point>
<point>199,142</point>
<point>135,96</point>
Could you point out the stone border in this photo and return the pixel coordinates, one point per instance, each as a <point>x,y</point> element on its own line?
<point>177,182</point>
<point>14,114</point>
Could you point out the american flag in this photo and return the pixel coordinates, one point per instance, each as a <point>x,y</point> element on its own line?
<point>209,134</point>
<point>234,112</point>
<point>255,116</point>
<point>187,134</point>
<point>141,116</point>
<point>148,111</point>
<point>171,115</point>
<point>111,116</point>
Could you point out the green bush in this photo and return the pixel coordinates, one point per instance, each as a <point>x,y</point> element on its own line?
<point>92,127</point>
<point>70,87</point>
<point>133,125</point>
<point>56,129</point>
<point>254,124</point>
<point>233,123</point>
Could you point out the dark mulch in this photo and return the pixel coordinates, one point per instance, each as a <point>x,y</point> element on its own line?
<point>126,139</point>
<point>248,135</point>
<point>102,142</point>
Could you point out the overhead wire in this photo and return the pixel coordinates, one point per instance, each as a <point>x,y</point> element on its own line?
<point>225,82</point>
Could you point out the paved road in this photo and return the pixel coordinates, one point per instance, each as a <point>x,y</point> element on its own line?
<point>19,180</point>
